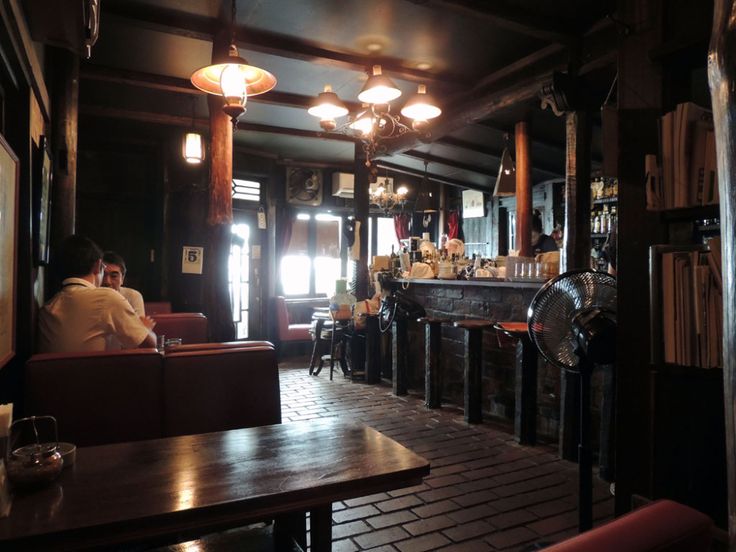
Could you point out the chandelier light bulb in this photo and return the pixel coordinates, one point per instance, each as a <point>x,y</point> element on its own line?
<point>421,106</point>
<point>363,124</point>
<point>327,105</point>
<point>378,89</point>
<point>402,191</point>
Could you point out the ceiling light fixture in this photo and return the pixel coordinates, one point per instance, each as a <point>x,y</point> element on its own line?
<point>231,77</point>
<point>375,124</point>
<point>506,179</point>
<point>385,199</point>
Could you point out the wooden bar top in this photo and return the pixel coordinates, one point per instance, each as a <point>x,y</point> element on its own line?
<point>131,492</point>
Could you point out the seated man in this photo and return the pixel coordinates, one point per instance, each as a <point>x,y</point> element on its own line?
<point>541,243</point>
<point>84,316</point>
<point>115,271</point>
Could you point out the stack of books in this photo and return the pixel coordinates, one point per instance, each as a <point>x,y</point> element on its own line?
<point>692,306</point>
<point>686,175</point>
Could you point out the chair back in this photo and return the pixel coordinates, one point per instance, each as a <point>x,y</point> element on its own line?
<point>220,389</point>
<point>98,398</point>
<point>157,307</point>
<point>191,327</point>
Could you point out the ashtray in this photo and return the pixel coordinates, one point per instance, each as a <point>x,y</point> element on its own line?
<point>68,453</point>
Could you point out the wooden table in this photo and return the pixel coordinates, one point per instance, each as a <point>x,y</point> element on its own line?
<point>181,487</point>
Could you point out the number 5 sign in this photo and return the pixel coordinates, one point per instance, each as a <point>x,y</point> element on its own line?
<point>191,260</point>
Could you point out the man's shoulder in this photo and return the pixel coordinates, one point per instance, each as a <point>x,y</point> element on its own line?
<point>130,292</point>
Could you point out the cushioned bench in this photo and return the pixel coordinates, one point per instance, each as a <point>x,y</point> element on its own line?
<point>662,526</point>
<point>120,396</point>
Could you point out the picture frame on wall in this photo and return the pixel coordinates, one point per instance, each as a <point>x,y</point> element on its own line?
<point>9,174</point>
<point>42,179</point>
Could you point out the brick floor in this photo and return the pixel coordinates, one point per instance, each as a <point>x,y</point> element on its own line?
<point>484,492</point>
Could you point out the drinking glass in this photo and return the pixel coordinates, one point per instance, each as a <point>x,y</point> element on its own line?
<point>161,343</point>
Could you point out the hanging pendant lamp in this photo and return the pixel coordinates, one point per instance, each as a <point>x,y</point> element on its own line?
<point>506,179</point>
<point>192,147</point>
<point>231,77</point>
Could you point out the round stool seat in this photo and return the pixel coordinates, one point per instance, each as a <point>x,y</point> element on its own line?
<point>473,324</point>
<point>512,329</point>
<point>433,320</point>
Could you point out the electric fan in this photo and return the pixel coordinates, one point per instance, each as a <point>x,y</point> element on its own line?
<point>572,321</point>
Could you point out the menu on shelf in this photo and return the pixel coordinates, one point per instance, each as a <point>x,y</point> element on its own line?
<point>686,175</point>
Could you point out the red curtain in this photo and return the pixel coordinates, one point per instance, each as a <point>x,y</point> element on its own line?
<point>453,225</point>
<point>401,225</point>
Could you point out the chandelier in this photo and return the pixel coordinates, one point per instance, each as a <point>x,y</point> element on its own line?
<point>231,77</point>
<point>374,124</point>
<point>385,199</point>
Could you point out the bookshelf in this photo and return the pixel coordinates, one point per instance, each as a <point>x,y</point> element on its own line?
<point>669,441</point>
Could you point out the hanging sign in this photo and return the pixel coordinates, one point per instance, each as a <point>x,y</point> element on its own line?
<point>261,219</point>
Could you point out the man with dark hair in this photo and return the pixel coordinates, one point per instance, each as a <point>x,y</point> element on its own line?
<point>541,243</point>
<point>115,271</point>
<point>84,316</point>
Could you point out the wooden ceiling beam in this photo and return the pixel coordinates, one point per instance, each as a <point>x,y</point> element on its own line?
<point>203,28</point>
<point>477,148</point>
<point>506,17</point>
<point>176,85</point>
<point>515,84</point>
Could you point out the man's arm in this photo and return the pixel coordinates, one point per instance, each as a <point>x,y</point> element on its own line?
<point>150,339</point>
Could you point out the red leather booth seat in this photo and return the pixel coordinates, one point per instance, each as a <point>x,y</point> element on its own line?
<point>157,307</point>
<point>220,389</point>
<point>98,397</point>
<point>662,526</point>
<point>191,327</point>
<point>286,330</point>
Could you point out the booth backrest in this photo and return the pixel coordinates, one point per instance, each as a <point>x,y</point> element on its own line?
<point>282,317</point>
<point>157,307</point>
<point>191,327</point>
<point>223,345</point>
<point>220,389</point>
<point>662,526</point>
<point>98,397</point>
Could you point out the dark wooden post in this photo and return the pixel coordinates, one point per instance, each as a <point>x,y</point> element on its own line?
<point>219,216</point>
<point>65,107</point>
<point>576,249</point>
<point>399,351</point>
<point>722,79</point>
<point>372,350</point>
<point>639,106</point>
<point>523,190</point>
<point>360,211</point>
<point>575,254</point>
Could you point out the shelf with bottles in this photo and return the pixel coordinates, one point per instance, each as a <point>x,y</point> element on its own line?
<point>603,219</point>
<point>602,200</point>
<point>604,190</point>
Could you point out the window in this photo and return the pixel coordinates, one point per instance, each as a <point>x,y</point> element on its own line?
<point>312,263</point>
<point>247,190</point>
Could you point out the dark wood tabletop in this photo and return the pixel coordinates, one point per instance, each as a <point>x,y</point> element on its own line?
<point>135,492</point>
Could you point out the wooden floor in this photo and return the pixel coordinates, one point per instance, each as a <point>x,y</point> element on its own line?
<point>485,492</point>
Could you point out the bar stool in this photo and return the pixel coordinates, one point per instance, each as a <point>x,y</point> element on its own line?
<point>473,393</point>
<point>525,416</point>
<point>432,360</point>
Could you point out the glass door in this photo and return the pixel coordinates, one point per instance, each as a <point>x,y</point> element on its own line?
<point>239,281</point>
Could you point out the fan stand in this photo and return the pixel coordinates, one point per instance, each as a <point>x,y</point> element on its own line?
<point>585,456</point>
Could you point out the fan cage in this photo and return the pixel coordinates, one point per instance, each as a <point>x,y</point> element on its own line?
<point>554,307</point>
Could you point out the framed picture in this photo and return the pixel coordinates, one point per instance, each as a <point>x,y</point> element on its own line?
<point>42,174</point>
<point>9,169</point>
<point>473,204</point>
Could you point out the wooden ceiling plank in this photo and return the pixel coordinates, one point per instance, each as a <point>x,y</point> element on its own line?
<point>202,28</point>
<point>506,17</point>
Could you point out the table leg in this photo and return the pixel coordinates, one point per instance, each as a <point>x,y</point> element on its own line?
<point>290,528</point>
<point>320,528</point>
<point>315,350</point>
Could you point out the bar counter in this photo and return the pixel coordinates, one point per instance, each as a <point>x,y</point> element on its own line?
<point>494,300</point>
